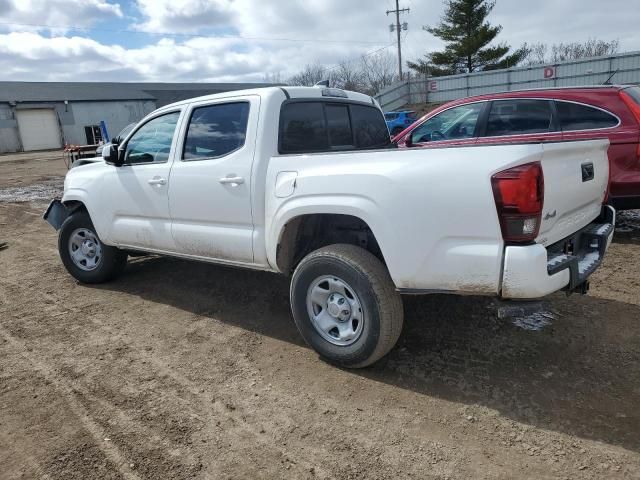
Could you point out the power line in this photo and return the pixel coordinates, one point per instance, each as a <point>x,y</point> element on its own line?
<point>355,59</point>
<point>188,35</point>
<point>398,28</point>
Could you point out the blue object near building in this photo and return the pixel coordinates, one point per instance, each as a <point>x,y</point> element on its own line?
<point>398,121</point>
<point>103,128</point>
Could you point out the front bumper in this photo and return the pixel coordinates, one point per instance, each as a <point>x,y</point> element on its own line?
<point>534,271</point>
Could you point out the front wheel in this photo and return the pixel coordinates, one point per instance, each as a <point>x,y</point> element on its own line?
<point>84,255</point>
<point>345,305</point>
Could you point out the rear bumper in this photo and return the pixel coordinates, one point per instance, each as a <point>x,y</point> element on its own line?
<point>625,203</point>
<point>534,271</point>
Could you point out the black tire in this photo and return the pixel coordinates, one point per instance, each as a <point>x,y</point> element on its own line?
<point>370,280</point>
<point>111,263</point>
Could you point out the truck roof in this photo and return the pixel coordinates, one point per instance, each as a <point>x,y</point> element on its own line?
<point>288,92</point>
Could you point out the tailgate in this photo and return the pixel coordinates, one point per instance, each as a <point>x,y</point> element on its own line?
<point>576,175</point>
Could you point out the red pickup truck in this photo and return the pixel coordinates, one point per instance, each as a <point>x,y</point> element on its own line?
<point>544,115</point>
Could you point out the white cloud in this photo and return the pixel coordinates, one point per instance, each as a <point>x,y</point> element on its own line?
<point>31,56</point>
<point>333,30</point>
<point>184,15</point>
<point>57,13</point>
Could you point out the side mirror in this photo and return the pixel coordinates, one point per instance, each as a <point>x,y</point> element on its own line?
<point>111,155</point>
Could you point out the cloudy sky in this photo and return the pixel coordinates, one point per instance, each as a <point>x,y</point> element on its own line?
<point>246,40</point>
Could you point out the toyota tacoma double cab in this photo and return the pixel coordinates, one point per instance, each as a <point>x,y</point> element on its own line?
<point>302,181</point>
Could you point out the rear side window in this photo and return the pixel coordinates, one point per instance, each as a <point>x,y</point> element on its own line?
<point>574,116</point>
<point>312,127</point>
<point>216,130</point>
<point>519,117</point>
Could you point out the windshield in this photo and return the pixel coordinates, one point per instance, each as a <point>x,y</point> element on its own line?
<point>125,131</point>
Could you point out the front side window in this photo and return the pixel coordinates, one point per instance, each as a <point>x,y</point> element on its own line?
<point>452,124</point>
<point>574,116</point>
<point>519,117</point>
<point>151,143</point>
<point>216,130</point>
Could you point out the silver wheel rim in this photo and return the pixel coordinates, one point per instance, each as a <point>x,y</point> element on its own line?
<point>85,249</point>
<point>335,310</point>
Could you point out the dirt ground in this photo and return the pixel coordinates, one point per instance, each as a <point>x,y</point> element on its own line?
<point>182,370</point>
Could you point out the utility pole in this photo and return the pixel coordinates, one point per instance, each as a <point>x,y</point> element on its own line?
<point>397,27</point>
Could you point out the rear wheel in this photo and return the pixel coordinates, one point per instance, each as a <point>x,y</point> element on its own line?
<point>84,255</point>
<point>345,305</point>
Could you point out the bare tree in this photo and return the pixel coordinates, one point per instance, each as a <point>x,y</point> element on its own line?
<point>309,76</point>
<point>348,76</point>
<point>368,74</point>
<point>272,77</point>
<point>540,53</point>
<point>379,71</point>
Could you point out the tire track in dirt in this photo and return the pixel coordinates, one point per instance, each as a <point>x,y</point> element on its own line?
<point>94,429</point>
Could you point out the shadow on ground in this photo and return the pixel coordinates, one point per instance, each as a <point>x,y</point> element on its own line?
<point>580,375</point>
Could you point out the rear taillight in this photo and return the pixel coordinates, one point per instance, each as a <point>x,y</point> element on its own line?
<point>519,196</point>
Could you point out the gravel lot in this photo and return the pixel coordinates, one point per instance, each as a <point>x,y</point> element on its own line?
<point>183,370</point>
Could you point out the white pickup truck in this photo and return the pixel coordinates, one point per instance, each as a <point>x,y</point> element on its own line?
<point>303,181</point>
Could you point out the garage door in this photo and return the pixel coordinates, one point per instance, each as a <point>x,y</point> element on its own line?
<point>39,129</point>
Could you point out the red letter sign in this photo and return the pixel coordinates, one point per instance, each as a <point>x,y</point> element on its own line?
<point>549,72</point>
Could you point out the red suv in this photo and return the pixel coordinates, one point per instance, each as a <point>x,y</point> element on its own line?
<point>544,115</point>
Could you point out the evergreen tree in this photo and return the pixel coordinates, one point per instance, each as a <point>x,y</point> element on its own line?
<point>468,36</point>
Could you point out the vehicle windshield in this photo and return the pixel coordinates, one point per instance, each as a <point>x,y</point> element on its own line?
<point>125,131</point>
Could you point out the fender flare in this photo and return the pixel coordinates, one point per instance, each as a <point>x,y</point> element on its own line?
<point>356,206</point>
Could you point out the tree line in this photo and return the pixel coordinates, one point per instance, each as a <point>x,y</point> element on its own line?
<point>470,46</point>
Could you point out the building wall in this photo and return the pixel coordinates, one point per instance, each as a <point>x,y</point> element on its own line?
<point>73,117</point>
<point>9,141</point>
<point>619,69</point>
<point>116,115</point>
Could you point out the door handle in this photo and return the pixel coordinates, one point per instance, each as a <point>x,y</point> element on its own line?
<point>232,180</point>
<point>157,181</point>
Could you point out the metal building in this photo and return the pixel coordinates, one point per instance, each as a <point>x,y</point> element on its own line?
<point>623,68</point>
<point>49,115</point>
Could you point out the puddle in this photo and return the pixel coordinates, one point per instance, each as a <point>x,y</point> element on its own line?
<point>532,316</point>
<point>38,192</point>
<point>534,322</point>
<point>628,221</point>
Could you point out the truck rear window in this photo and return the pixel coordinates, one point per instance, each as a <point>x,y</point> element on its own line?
<point>320,126</point>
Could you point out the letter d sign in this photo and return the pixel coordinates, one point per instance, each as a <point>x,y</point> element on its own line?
<point>549,72</point>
